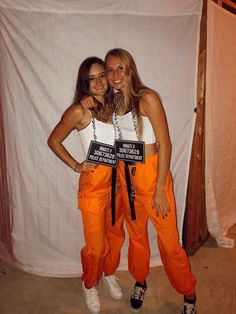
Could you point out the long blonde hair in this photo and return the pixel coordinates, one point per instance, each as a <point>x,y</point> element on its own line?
<point>134,86</point>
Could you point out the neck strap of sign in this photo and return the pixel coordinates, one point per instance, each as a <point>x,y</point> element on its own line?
<point>117,130</point>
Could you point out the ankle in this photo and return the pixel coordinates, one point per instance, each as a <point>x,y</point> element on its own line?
<point>190,298</point>
<point>86,287</point>
<point>141,283</point>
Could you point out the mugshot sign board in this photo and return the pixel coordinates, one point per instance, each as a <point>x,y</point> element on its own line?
<point>133,151</point>
<point>102,154</point>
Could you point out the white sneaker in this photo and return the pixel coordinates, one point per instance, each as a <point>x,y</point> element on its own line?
<point>113,286</point>
<point>91,299</point>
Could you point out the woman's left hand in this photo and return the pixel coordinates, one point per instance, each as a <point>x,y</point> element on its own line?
<point>160,203</point>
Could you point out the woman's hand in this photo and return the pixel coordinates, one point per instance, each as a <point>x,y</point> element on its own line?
<point>160,203</point>
<point>85,167</point>
<point>87,102</point>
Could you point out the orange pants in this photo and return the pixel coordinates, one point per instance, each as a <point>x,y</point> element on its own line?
<point>103,241</point>
<point>173,256</point>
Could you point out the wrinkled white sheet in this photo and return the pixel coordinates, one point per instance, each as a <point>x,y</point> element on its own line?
<point>221,123</point>
<point>42,45</point>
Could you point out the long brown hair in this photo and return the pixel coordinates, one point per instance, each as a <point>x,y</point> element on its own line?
<point>134,87</point>
<point>101,111</point>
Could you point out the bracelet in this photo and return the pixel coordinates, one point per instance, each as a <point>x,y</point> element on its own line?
<point>76,167</point>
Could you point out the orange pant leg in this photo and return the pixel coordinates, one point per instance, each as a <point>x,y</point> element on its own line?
<point>96,245</point>
<point>173,256</point>
<point>115,235</point>
<point>100,253</point>
<point>138,251</point>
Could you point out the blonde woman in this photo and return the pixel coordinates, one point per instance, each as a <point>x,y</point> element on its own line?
<point>147,187</point>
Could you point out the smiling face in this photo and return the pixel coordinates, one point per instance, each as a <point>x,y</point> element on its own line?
<point>98,81</point>
<point>116,74</point>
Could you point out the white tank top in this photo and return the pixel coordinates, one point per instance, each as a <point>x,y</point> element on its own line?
<point>104,133</point>
<point>127,129</point>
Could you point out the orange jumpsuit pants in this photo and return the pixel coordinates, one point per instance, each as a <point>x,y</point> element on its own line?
<point>173,256</point>
<point>103,242</point>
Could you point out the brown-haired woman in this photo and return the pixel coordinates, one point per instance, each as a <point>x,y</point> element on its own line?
<point>103,242</point>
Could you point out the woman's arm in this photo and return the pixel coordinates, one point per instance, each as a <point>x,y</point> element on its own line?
<point>71,119</point>
<point>151,106</point>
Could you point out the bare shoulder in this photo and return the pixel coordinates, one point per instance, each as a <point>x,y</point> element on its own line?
<point>149,101</point>
<point>75,111</point>
<point>75,114</point>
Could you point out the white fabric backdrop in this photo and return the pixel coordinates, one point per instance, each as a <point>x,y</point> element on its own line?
<point>42,45</point>
<point>221,123</point>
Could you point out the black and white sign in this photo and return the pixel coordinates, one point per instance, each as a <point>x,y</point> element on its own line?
<point>133,151</point>
<point>102,154</point>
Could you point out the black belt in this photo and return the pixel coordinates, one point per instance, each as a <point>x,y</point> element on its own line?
<point>113,196</point>
<point>130,190</point>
